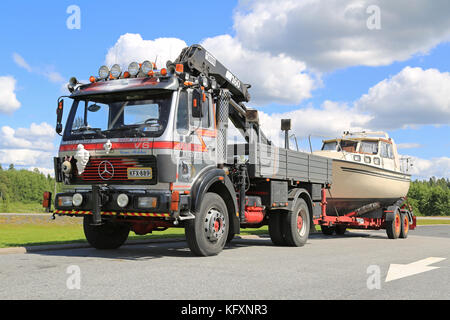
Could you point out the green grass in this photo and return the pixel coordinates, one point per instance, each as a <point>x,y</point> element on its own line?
<point>20,207</point>
<point>424,222</point>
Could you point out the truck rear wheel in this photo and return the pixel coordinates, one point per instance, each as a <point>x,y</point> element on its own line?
<point>109,235</point>
<point>393,228</point>
<point>275,229</point>
<point>405,226</point>
<point>297,224</point>
<point>207,233</point>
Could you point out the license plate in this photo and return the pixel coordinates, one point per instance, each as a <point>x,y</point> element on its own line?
<point>139,173</point>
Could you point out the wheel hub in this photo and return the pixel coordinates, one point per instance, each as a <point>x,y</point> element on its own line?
<point>214,225</point>
<point>301,227</point>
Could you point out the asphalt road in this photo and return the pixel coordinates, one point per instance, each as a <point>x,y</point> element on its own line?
<point>326,268</point>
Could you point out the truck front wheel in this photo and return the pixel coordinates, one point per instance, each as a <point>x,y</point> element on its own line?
<point>297,224</point>
<point>207,233</point>
<point>106,236</point>
<point>275,228</point>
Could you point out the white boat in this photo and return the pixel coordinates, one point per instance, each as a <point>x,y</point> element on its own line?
<point>366,170</point>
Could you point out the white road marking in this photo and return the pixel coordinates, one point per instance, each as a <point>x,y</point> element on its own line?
<point>398,271</point>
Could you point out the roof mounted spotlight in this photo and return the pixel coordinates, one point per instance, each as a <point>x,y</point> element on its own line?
<point>72,84</point>
<point>133,69</point>
<point>116,71</point>
<point>146,67</point>
<point>103,72</point>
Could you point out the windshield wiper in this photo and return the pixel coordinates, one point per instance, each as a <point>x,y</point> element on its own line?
<point>83,130</point>
<point>133,128</point>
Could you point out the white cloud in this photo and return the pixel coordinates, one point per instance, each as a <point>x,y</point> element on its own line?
<point>333,34</point>
<point>37,137</point>
<point>331,120</point>
<point>27,158</point>
<point>410,98</point>
<point>47,72</point>
<point>8,99</point>
<point>273,78</point>
<point>276,78</point>
<point>408,145</point>
<point>425,169</point>
<point>131,47</point>
<point>20,61</point>
<point>28,147</point>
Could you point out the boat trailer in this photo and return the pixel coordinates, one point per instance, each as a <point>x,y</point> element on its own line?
<point>397,219</point>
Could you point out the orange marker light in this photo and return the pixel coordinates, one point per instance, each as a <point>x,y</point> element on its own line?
<point>150,73</point>
<point>126,74</point>
<point>179,67</point>
<point>163,71</point>
<point>92,79</point>
<point>195,103</point>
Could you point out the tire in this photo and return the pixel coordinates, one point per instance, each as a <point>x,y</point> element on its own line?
<point>207,234</point>
<point>230,237</point>
<point>393,228</point>
<point>106,236</point>
<point>405,226</point>
<point>326,230</point>
<point>296,225</point>
<point>340,230</point>
<point>275,229</point>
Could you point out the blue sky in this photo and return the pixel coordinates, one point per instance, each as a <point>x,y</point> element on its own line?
<point>51,53</point>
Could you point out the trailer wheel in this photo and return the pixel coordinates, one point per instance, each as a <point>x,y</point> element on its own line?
<point>275,229</point>
<point>327,230</point>
<point>405,226</point>
<point>207,233</point>
<point>340,230</point>
<point>297,224</point>
<point>394,227</point>
<point>109,235</point>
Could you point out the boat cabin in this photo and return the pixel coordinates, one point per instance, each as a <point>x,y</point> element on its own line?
<point>363,147</point>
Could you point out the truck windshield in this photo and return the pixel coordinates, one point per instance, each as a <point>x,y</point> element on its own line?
<point>118,118</point>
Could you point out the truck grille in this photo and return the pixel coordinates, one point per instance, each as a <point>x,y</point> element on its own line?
<point>114,169</point>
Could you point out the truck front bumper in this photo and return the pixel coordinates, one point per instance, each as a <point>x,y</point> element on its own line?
<point>103,201</point>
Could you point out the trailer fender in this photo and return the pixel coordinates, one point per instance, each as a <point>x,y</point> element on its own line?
<point>297,193</point>
<point>390,213</point>
<point>215,180</point>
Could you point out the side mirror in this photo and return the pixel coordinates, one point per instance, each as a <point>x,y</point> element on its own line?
<point>197,100</point>
<point>94,107</point>
<point>59,114</point>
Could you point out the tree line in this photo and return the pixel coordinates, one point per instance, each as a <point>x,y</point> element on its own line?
<point>24,186</point>
<point>430,197</point>
<point>427,197</point>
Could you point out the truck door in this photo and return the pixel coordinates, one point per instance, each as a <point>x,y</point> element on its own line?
<point>194,130</point>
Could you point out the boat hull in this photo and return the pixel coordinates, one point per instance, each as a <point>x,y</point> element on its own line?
<point>355,185</point>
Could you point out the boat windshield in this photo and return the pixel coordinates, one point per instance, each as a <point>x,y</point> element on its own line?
<point>370,147</point>
<point>146,116</point>
<point>348,145</point>
<point>329,146</point>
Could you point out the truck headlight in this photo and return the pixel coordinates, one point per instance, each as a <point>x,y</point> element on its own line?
<point>65,201</point>
<point>122,200</point>
<point>147,202</point>
<point>77,199</point>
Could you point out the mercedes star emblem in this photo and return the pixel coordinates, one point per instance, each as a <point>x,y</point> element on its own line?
<point>106,170</point>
